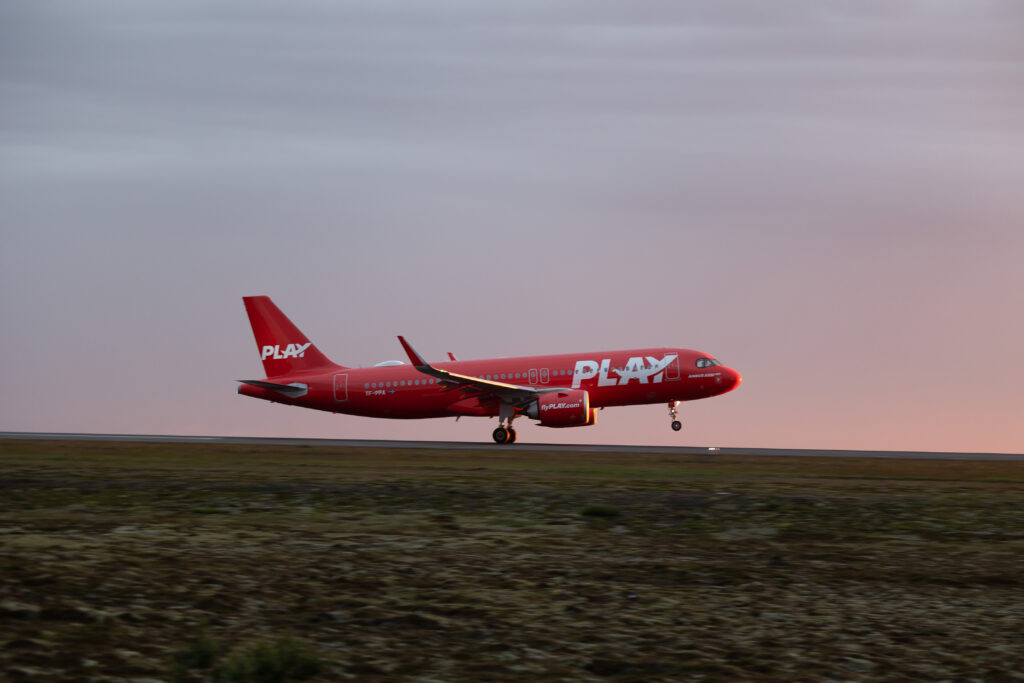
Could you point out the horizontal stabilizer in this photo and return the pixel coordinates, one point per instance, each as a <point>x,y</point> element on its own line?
<point>293,390</point>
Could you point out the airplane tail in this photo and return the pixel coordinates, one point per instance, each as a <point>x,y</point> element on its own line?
<point>283,348</point>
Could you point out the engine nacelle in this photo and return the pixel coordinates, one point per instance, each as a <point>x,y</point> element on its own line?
<point>569,408</point>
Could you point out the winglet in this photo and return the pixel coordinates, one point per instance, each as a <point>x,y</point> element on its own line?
<point>414,357</point>
<point>451,355</point>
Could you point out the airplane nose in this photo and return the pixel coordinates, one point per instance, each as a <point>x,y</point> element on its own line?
<point>733,378</point>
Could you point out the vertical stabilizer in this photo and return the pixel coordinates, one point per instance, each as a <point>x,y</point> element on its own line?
<point>283,348</point>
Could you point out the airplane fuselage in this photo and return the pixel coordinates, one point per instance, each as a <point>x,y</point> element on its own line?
<point>611,378</point>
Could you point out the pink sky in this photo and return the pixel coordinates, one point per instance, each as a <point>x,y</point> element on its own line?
<point>826,196</point>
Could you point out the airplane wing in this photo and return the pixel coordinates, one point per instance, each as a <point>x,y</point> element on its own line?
<point>477,387</point>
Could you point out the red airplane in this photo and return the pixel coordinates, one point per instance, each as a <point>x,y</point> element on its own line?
<point>558,391</point>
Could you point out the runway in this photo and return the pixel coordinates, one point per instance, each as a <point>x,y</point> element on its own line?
<point>518,447</point>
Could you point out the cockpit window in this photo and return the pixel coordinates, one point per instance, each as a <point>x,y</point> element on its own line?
<point>707,362</point>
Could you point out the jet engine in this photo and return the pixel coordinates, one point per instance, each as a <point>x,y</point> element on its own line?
<point>569,408</point>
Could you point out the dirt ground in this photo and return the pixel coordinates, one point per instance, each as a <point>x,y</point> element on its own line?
<point>469,566</point>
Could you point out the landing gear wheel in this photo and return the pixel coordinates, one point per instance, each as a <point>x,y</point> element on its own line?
<point>501,435</point>
<point>676,424</point>
<point>511,435</point>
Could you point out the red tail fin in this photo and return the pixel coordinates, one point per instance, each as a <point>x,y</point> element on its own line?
<point>283,348</point>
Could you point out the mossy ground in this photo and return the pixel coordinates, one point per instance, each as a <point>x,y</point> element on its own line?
<point>426,565</point>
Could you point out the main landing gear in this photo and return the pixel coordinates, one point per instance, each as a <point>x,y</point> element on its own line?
<point>676,424</point>
<point>504,434</point>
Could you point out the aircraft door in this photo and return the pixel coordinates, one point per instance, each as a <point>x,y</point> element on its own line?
<point>341,388</point>
<point>672,371</point>
<point>544,376</point>
<point>533,375</point>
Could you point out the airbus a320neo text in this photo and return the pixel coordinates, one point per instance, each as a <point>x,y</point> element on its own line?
<point>563,390</point>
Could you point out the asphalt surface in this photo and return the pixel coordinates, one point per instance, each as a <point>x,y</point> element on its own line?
<point>473,446</point>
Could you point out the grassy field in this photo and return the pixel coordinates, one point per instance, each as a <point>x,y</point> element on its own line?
<point>195,562</point>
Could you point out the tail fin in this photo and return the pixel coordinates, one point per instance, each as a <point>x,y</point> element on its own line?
<point>283,348</point>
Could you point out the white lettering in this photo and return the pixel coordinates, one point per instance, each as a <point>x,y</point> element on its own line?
<point>634,370</point>
<point>290,351</point>
<point>602,378</point>
<point>657,368</point>
<point>560,406</point>
<point>585,369</point>
<point>653,371</point>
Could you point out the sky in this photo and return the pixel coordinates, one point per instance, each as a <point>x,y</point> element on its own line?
<point>827,196</point>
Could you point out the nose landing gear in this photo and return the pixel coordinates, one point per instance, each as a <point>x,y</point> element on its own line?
<point>676,424</point>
